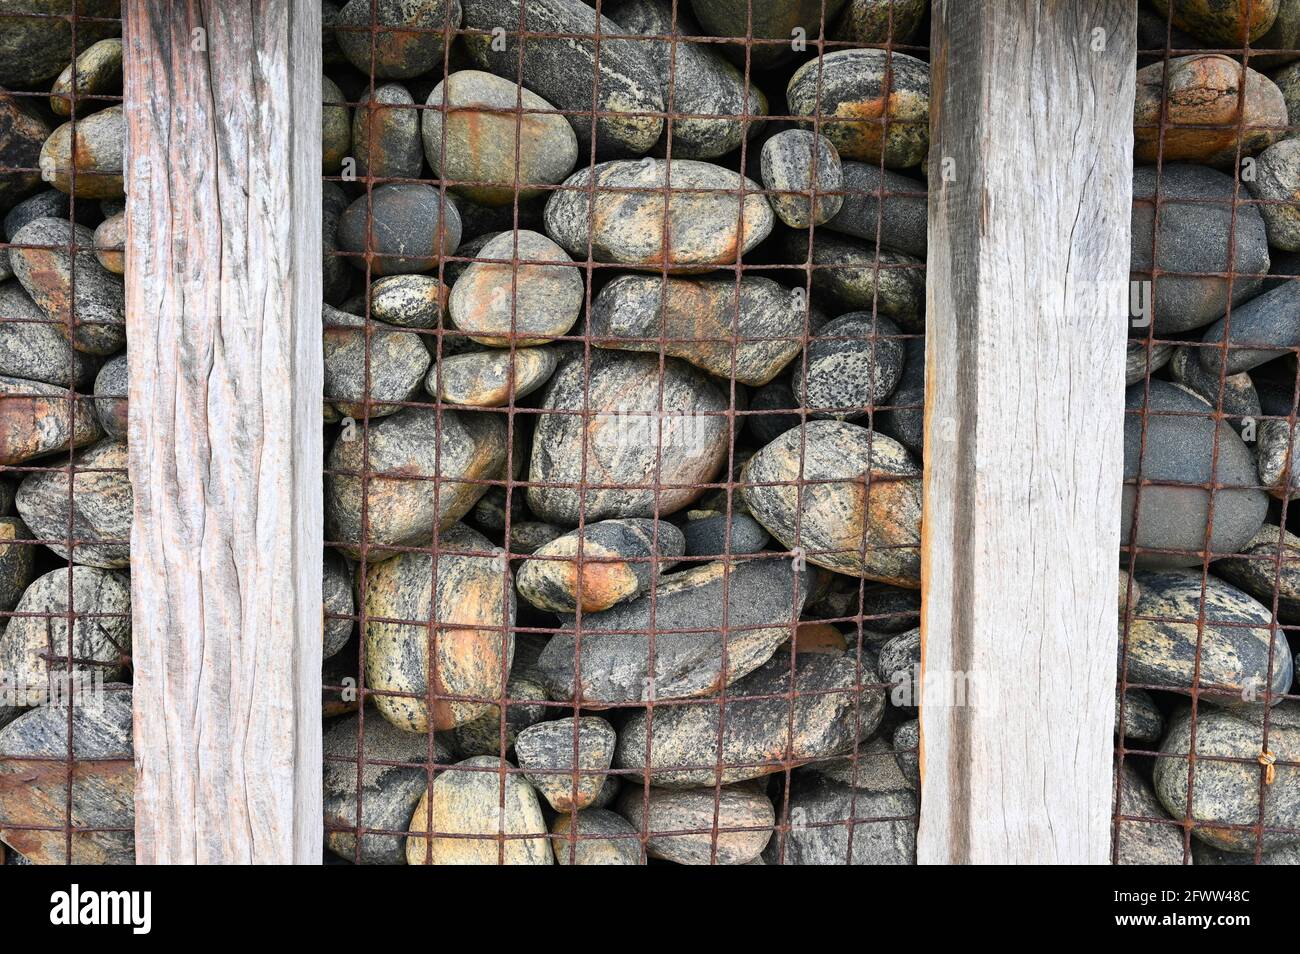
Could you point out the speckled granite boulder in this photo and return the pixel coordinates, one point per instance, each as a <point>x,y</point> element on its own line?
<point>101,506</point>
<point>411,227</point>
<point>732,833</point>
<point>37,420</point>
<point>532,302</point>
<point>841,526</point>
<point>706,226</point>
<point>763,599</point>
<point>110,244</point>
<point>716,535</point>
<point>1221,23</point>
<point>468,800</point>
<point>907,748</point>
<point>774,21</point>
<point>22,133</point>
<point>1157,842</point>
<point>1142,719</point>
<point>386,134</point>
<point>880,21</point>
<point>491,378</point>
<point>93,170</point>
<point>787,164</point>
<point>111,397</point>
<point>35,350</point>
<point>396,53</point>
<point>901,223</point>
<point>899,663</point>
<point>595,837</point>
<point>335,275</point>
<point>1203,854</point>
<point>903,414</point>
<point>546,754</point>
<point>408,301</point>
<point>397,361</point>
<point>852,365</point>
<point>850,275</point>
<point>337,598</point>
<point>1257,570</point>
<point>16,562</point>
<point>527,706</point>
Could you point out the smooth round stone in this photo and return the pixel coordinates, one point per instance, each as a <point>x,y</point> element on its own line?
<point>1142,719</point>
<point>110,244</point>
<point>412,446</point>
<point>336,127</point>
<point>708,536</point>
<point>397,53</point>
<point>34,648</point>
<point>880,21</point>
<point>337,599</point>
<point>93,170</point>
<point>762,602</point>
<point>411,227</point>
<point>472,591</point>
<point>681,823</point>
<point>526,706</point>
<point>491,378</point>
<point>907,748</point>
<point>1196,218</point>
<point>1234,640</point>
<point>903,416</point>
<point>100,501</point>
<point>1221,23</point>
<point>759,733</point>
<point>97,71</point>
<point>1136,365</point>
<point>34,349</point>
<point>852,99</point>
<point>546,754</point>
<point>35,419</point>
<point>1257,572</point>
<point>386,134</point>
<point>389,793</point>
<point>773,21</point>
<point>645,426</point>
<point>1144,842</point>
<point>22,134</point>
<point>97,305</point>
<point>564,71</point>
<point>787,163</point>
<point>495,303</point>
<point>773,411</point>
<point>476,798</point>
<point>706,226</point>
<point>102,798</point>
<point>397,363</point>
<point>852,365</point>
<point>528,535</point>
<point>336,276</point>
<point>702,322</point>
<point>616,565</point>
<point>486,137</point>
<point>16,561</point>
<point>1261,330</point>
<point>1277,184</point>
<point>837,519</point>
<point>901,222</point>
<point>1180,447</point>
<point>851,275</point>
<point>111,397</point>
<point>408,301</point>
<point>595,837</point>
<point>695,77</point>
<point>1231,792</point>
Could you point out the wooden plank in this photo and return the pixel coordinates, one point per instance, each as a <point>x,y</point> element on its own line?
<point>1031,165</point>
<point>223,301</point>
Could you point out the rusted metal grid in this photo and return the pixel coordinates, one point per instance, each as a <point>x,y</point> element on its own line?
<point>53,820</point>
<point>1199,828</point>
<point>345,679</point>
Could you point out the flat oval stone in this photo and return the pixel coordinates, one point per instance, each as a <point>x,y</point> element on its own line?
<point>408,301</point>
<point>486,137</point>
<point>622,71</point>
<point>475,798</point>
<point>337,599</point>
<point>762,602</point>
<point>599,837</point>
<point>708,536</point>
<point>1257,572</point>
<point>94,169</point>
<point>110,244</point>
<point>1231,793</point>
<point>97,306</point>
<point>851,275</point>
<point>1275,455</point>
<point>411,227</point>
<point>16,562</point>
<point>627,442</point>
<point>1180,447</point>
<point>386,134</point>
<point>47,204</point>
<point>702,322</point>
<point>34,349</point>
<point>1143,842</point>
<point>111,397</point>
<point>22,134</point>
<point>852,365</point>
<point>530,304</point>
<point>772,21</point>
<point>760,735</point>
<point>546,754</point>
<point>414,48</point>
<point>1262,329</point>
<point>1277,184</point>
<point>34,780</point>
<point>1221,23</point>
<point>880,21</point>
<point>706,226</point>
<point>491,378</point>
<point>35,419</point>
<point>33,649</point>
<point>846,88</point>
<point>405,451</point>
<point>1196,218</point>
<point>526,706</point>
<point>397,363</point>
<point>611,571</point>
<point>1234,641</point>
<point>1142,719</point>
<point>901,220</point>
<point>473,591</point>
<point>787,163</point>
<point>97,71</point>
<point>1136,366</point>
<point>838,518</point>
<point>101,504</point>
<point>728,826</point>
<point>336,127</point>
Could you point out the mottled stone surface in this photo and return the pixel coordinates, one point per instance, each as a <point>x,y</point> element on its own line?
<point>491,378</point>
<point>595,837</point>
<point>337,598</point>
<point>776,21</point>
<point>763,599</point>
<point>526,707</point>
<point>1275,449</point>
<point>111,397</point>
<point>22,133</point>
<point>394,371</point>
<point>1142,719</point>
<point>404,452</point>
<point>98,309</point>
<point>16,561</point>
<point>531,302</point>
<point>842,527</point>
<point>1257,570</point>
<point>386,134</point>
<point>1221,23</point>
<point>335,274</point>
<point>706,226</point>
<point>37,420</point>
<point>702,322</point>
<point>336,127</point>
<point>903,417</point>
<point>1135,366</point>
<point>708,536</point>
<point>834,824</point>
<point>34,349</point>
<point>35,791</point>
<point>93,169</point>
<point>1239,396</point>
<point>1277,184</point>
<point>1196,217</point>
<point>528,535</point>
<point>787,161</point>
<point>1155,842</point>
<point>1231,792</point>
<point>485,138</point>
<point>467,800</point>
<point>852,99</point>
<point>1180,446</point>
<point>97,71</point>
<point>110,244</point>
<point>1262,329</point>
<point>852,365</point>
<point>907,742</point>
<point>100,501</point>
<point>880,21</point>
<point>546,753</point>
<point>849,274</point>
<point>408,301</point>
<point>397,54</point>
<point>730,826</point>
<point>758,734</point>
<point>646,426</point>
<point>611,572</point>
<point>900,222</point>
<point>411,226</point>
